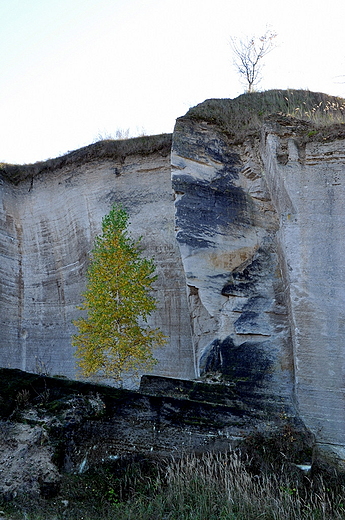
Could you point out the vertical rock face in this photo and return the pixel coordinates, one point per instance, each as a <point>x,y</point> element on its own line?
<point>308,190</point>
<point>227,232</point>
<point>261,235</point>
<point>251,292</point>
<point>48,224</point>
<point>11,276</point>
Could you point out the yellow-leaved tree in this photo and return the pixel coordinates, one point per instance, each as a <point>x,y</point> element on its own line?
<point>114,337</point>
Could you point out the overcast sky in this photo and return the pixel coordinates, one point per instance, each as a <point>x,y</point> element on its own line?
<point>72,70</point>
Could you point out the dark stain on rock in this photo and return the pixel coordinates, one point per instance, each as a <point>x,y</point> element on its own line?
<point>212,144</point>
<point>208,208</point>
<point>243,281</point>
<point>246,363</point>
<point>257,303</point>
<point>252,322</point>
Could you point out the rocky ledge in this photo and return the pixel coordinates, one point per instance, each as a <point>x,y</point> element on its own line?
<point>51,427</point>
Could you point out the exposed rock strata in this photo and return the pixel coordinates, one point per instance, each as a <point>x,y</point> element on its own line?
<point>260,229</point>
<point>48,223</point>
<point>308,190</point>
<point>50,426</point>
<point>226,230</point>
<point>252,294</point>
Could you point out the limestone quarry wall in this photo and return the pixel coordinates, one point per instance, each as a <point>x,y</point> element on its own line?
<point>307,183</point>
<point>227,232</point>
<point>260,227</point>
<point>48,224</point>
<point>249,246</point>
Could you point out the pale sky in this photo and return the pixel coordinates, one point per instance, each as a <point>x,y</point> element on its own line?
<point>72,70</point>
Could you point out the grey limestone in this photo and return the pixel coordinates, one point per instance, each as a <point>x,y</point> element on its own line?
<point>249,245</point>
<point>48,225</point>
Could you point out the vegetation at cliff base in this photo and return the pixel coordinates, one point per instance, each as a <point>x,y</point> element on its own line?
<point>114,337</point>
<point>210,486</point>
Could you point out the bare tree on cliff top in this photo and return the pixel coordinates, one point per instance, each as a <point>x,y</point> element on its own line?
<point>249,54</point>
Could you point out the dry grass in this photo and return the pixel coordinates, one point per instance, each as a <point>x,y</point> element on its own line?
<point>210,486</point>
<point>220,486</point>
<point>114,149</point>
<point>245,114</point>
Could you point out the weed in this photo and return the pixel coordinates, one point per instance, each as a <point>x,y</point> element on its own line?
<point>41,367</point>
<point>23,399</point>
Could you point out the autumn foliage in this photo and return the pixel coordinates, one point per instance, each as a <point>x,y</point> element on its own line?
<point>114,337</point>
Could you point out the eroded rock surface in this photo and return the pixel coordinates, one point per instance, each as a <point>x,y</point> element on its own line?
<point>51,426</point>
<point>260,229</point>
<point>251,292</point>
<point>308,190</point>
<point>227,232</point>
<point>26,465</point>
<point>48,224</point>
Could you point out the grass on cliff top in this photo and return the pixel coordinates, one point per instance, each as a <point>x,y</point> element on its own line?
<point>114,149</point>
<point>244,115</point>
<point>237,117</point>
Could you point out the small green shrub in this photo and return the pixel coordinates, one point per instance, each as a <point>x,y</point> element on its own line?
<point>311,133</point>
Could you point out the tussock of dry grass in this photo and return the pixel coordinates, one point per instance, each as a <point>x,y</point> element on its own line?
<point>105,149</point>
<point>244,115</point>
